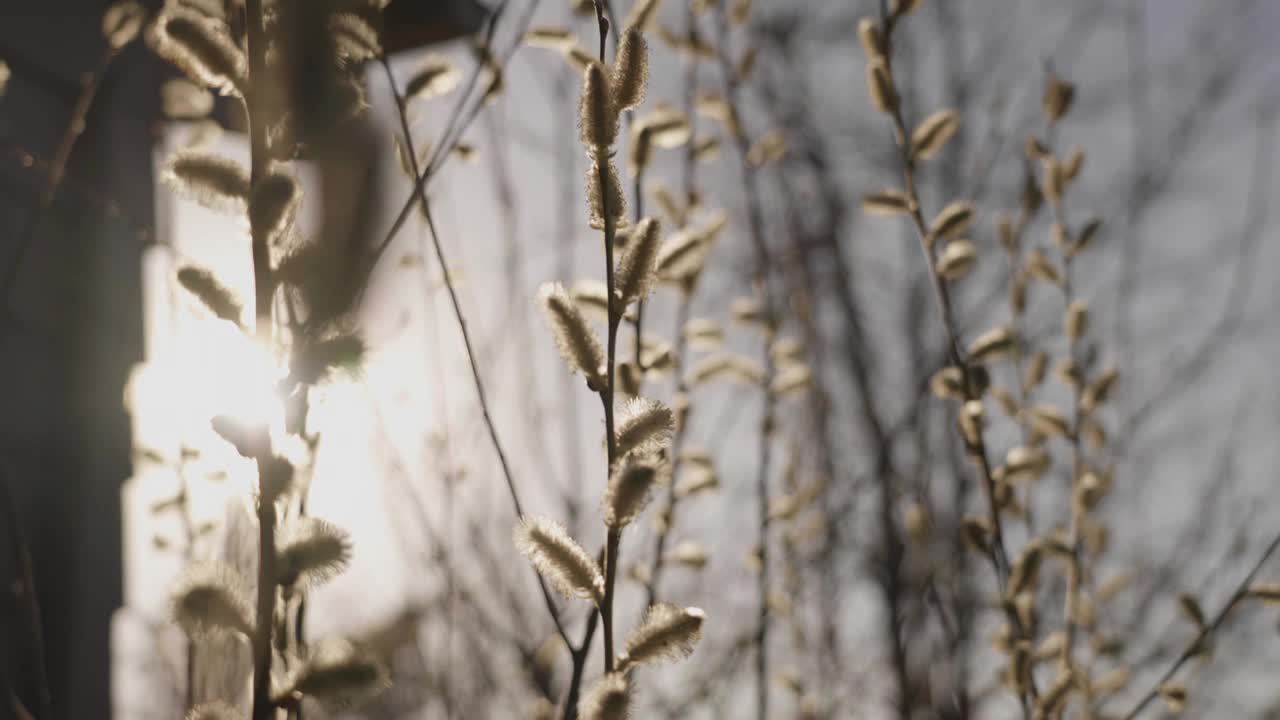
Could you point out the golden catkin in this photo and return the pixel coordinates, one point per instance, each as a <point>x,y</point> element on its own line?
<point>643,425</point>
<point>630,76</point>
<point>552,38</point>
<point>1097,392</point>
<point>666,633</point>
<point>870,39</point>
<point>884,96</point>
<point>1268,592</point>
<point>200,49</point>
<point>769,148</point>
<point>932,134</point>
<point>947,383</point>
<point>310,551</point>
<point>608,698</point>
<point>1058,97</point>
<point>210,598</point>
<point>1025,463</point>
<point>577,342</point>
<point>791,380</point>
<point>637,269</point>
<point>1049,420</point>
<point>887,202</point>
<point>597,115</point>
<point>338,674</point>
<point>610,202</point>
<point>220,301</point>
<point>354,38</point>
<point>629,492</point>
<point>1174,695</point>
<point>690,554</point>
<point>1034,374</point>
<point>209,179</point>
<point>953,220</point>
<point>437,76</point>
<point>559,559</point>
<point>957,259</point>
<point>992,344</point>
<point>1077,319</point>
<point>122,21</point>
<point>1074,163</point>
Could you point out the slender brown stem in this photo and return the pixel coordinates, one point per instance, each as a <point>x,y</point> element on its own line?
<point>579,655</point>
<point>256,89</point>
<point>977,450</point>
<point>606,393</point>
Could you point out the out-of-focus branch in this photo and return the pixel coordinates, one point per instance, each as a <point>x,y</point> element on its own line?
<point>1193,647</point>
<point>26,587</point>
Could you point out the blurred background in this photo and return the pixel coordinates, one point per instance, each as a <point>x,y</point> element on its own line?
<point>1176,109</point>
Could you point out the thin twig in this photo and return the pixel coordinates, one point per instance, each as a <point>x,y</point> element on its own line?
<point>997,552</point>
<point>30,602</point>
<point>1194,647</point>
<point>490,426</point>
<point>458,122</point>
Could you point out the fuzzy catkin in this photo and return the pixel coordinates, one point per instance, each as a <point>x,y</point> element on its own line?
<point>629,492</point>
<point>209,179</point>
<point>608,698</point>
<point>338,674</point>
<point>578,344</point>
<point>610,203</point>
<point>311,551</point>
<point>643,424</point>
<point>354,38</point>
<point>436,77</point>
<point>200,49</point>
<point>992,344</point>
<point>597,114</point>
<point>636,270</point>
<point>220,301</point>
<point>121,22</point>
<point>211,597</point>
<point>630,76</point>
<point>552,38</point>
<point>667,633</point>
<point>953,220</point>
<point>559,559</point>
<point>932,134</point>
<point>880,85</point>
